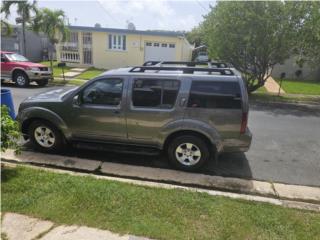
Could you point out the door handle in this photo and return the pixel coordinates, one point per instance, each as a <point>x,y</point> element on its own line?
<point>182,101</point>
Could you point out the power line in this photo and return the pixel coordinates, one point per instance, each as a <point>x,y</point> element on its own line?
<point>203,7</point>
<point>105,10</point>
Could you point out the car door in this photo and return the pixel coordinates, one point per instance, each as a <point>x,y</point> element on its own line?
<point>98,112</point>
<point>5,66</point>
<point>151,107</point>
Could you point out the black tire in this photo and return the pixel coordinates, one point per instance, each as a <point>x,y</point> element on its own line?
<point>53,146</point>
<point>198,145</point>
<point>21,79</point>
<point>42,83</point>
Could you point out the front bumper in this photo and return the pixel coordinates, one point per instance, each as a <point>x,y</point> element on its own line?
<point>39,75</point>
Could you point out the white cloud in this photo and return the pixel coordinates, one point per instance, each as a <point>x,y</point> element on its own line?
<point>154,14</point>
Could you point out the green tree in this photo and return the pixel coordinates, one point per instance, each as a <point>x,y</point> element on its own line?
<point>10,132</point>
<point>25,10</point>
<point>305,22</point>
<point>252,36</point>
<point>51,23</point>
<point>195,36</point>
<point>6,27</point>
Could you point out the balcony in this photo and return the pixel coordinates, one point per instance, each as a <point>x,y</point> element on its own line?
<point>72,57</point>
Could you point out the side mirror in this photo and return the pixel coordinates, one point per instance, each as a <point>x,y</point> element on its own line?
<point>3,59</point>
<point>76,100</point>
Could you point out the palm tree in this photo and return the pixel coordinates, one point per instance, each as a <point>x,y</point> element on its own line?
<point>6,27</point>
<point>24,10</point>
<point>51,23</point>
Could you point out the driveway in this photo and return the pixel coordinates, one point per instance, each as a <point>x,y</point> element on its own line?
<point>285,146</point>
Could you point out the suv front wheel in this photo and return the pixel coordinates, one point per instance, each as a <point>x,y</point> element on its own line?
<point>45,137</point>
<point>21,79</point>
<point>188,152</point>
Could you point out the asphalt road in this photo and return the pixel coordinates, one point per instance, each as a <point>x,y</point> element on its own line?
<point>285,146</point>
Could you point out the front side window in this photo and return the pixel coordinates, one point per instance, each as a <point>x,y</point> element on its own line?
<point>117,42</point>
<point>204,94</point>
<point>155,93</point>
<point>103,92</point>
<point>14,57</point>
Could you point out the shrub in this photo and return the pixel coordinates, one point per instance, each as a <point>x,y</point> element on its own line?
<point>10,131</point>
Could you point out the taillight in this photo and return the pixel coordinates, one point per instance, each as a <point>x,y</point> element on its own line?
<point>244,123</point>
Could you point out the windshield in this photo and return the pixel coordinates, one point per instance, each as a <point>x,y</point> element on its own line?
<point>14,57</point>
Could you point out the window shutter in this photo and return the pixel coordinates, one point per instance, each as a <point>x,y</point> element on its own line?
<point>124,42</point>
<point>110,41</point>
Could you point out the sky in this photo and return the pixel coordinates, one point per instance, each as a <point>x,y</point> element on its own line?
<point>178,15</point>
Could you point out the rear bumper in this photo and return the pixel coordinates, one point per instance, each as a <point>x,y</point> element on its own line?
<point>241,144</point>
<point>39,75</point>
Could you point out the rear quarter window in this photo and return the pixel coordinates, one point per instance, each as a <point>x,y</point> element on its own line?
<point>205,94</point>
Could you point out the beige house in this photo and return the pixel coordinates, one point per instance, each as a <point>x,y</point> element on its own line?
<point>113,48</point>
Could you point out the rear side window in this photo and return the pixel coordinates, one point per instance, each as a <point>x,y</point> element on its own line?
<point>205,94</point>
<point>155,93</point>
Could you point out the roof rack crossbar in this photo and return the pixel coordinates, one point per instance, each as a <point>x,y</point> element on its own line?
<point>185,70</point>
<point>187,63</point>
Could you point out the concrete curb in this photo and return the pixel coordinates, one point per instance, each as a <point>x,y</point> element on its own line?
<point>235,185</point>
<point>315,106</point>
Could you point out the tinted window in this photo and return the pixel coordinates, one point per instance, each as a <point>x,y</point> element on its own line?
<point>103,92</point>
<point>215,95</point>
<point>155,93</point>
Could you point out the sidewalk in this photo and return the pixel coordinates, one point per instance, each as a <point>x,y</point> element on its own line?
<point>272,86</point>
<point>232,187</point>
<point>18,227</point>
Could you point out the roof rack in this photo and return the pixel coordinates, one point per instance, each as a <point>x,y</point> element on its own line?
<point>188,64</point>
<point>185,70</point>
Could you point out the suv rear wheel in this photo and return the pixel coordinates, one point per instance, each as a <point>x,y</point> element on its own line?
<point>188,152</point>
<point>21,79</point>
<point>45,137</point>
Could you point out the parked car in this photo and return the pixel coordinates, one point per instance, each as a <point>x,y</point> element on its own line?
<point>190,113</point>
<point>202,57</point>
<point>20,70</point>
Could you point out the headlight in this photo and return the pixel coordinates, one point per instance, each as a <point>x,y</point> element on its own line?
<point>35,69</point>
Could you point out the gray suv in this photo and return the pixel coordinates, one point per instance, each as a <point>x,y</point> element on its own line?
<point>191,113</point>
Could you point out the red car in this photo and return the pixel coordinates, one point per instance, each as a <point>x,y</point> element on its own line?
<point>19,69</point>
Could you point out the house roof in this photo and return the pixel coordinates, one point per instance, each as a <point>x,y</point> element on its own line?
<point>127,31</point>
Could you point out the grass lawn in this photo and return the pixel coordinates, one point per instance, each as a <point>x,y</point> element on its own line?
<point>90,73</point>
<point>56,70</point>
<point>145,211</point>
<point>261,90</point>
<point>77,82</point>
<point>301,87</point>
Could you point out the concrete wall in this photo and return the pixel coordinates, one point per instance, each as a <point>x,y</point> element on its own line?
<point>106,58</point>
<point>290,67</point>
<point>36,44</point>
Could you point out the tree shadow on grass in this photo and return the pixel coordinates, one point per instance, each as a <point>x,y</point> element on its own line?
<point>8,173</point>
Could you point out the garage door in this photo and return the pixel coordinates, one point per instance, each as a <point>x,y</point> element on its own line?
<point>156,51</point>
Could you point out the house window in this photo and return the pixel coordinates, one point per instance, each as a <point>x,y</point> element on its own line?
<point>149,44</point>
<point>171,45</point>
<point>156,44</point>
<point>164,45</point>
<point>117,42</point>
